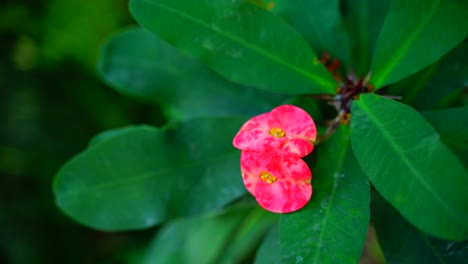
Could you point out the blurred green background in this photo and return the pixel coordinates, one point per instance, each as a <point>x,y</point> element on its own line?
<point>51,104</point>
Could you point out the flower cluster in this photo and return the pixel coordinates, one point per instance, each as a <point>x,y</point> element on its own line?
<point>272,146</point>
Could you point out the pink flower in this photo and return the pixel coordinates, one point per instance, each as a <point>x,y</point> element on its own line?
<point>286,127</point>
<point>279,180</point>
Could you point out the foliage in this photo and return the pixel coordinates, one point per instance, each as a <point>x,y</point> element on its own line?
<point>212,65</point>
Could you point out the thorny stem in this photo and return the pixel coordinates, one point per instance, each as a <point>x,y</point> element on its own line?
<point>347,92</point>
<point>333,125</point>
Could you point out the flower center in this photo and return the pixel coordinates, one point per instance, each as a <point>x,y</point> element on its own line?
<point>267,177</point>
<point>277,132</point>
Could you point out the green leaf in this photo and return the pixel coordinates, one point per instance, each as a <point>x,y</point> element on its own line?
<point>403,244</point>
<point>414,35</point>
<point>451,125</point>
<point>240,41</point>
<point>450,76</point>
<point>320,23</point>
<point>270,249</point>
<point>430,87</point>
<point>137,63</point>
<point>248,235</point>
<point>408,164</point>
<point>452,128</point>
<point>364,19</point>
<point>224,238</point>
<point>139,176</point>
<point>194,240</point>
<point>336,218</point>
<point>108,134</point>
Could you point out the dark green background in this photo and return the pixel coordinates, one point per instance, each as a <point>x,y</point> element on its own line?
<point>51,104</point>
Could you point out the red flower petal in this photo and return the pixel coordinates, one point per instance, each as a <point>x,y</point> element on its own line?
<point>280,181</point>
<point>298,146</point>
<point>295,122</point>
<point>286,127</point>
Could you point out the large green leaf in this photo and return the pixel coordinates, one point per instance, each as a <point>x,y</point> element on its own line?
<point>414,35</point>
<point>364,19</point>
<point>137,63</point>
<point>408,164</point>
<point>320,23</point>
<point>139,176</point>
<point>224,238</point>
<point>333,225</point>
<point>403,244</point>
<point>240,41</point>
<point>451,124</point>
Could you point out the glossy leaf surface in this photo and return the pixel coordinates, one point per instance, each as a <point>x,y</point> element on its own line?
<point>137,63</point>
<point>409,165</point>
<point>414,35</point>
<point>242,42</point>
<point>337,216</point>
<point>137,177</point>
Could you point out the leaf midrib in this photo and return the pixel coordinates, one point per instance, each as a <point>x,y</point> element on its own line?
<point>332,196</point>
<point>142,177</point>
<point>233,38</point>
<point>400,153</point>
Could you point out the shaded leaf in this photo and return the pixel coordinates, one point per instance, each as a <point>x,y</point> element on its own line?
<point>270,248</point>
<point>194,240</point>
<point>224,238</point>
<point>363,19</point>
<point>452,128</point>
<point>451,76</point>
<point>409,165</point>
<point>451,125</point>
<point>402,243</point>
<point>320,23</point>
<point>248,235</point>
<point>137,63</point>
<point>242,42</point>
<point>414,35</point>
<point>337,216</point>
<point>429,87</point>
<point>139,176</point>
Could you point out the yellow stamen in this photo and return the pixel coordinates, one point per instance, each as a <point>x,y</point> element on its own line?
<point>277,132</point>
<point>267,177</point>
<point>345,118</point>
